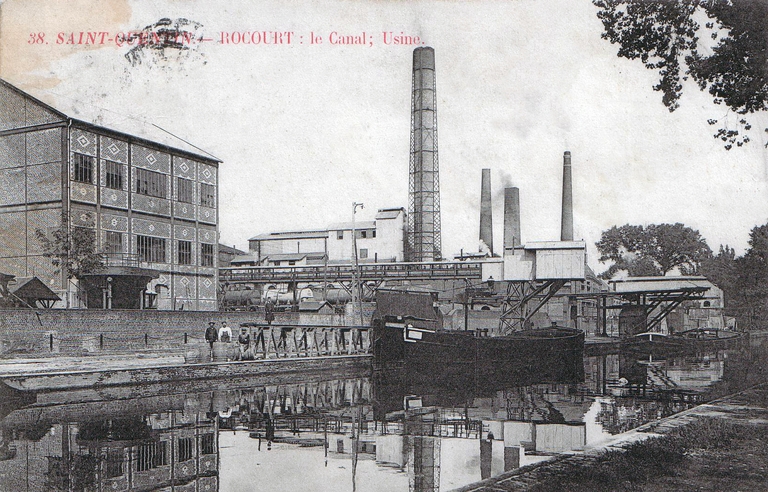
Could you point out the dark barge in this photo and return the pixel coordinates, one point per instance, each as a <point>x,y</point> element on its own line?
<point>407,332</point>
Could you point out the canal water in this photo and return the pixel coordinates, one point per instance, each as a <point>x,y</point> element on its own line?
<point>383,431</point>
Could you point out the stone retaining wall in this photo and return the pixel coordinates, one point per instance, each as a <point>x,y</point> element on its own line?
<point>59,331</point>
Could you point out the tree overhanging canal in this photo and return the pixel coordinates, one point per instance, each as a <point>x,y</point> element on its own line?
<point>346,427</point>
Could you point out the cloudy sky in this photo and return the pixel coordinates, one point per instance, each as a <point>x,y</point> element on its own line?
<point>304,130</point>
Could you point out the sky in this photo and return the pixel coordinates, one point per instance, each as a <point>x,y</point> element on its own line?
<point>304,130</point>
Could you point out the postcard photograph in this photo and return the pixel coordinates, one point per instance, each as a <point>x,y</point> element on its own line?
<point>356,245</point>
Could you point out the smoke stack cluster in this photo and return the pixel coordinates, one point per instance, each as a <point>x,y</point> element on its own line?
<point>511,218</point>
<point>566,221</point>
<point>486,212</point>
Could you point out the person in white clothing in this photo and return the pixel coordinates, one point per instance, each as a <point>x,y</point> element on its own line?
<point>225,333</point>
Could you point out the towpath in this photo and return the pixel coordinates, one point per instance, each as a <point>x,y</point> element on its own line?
<point>103,362</point>
<point>750,406</point>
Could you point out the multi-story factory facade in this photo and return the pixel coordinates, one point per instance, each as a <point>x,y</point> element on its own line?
<point>152,205</point>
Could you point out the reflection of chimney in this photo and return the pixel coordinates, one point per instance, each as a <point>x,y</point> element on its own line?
<point>486,212</point>
<point>511,218</point>
<point>566,222</point>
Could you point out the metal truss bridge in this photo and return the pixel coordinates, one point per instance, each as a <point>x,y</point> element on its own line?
<point>369,272</point>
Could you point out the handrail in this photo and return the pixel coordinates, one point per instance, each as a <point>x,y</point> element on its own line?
<point>459,269</point>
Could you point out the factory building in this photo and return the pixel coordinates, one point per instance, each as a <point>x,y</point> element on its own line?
<point>379,240</point>
<point>150,198</point>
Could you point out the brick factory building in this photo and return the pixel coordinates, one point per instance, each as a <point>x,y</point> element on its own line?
<point>150,197</point>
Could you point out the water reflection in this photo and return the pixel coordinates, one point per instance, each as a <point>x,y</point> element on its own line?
<point>389,430</point>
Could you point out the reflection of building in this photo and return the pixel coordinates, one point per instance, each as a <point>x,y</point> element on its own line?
<point>380,240</point>
<point>174,449</point>
<point>150,198</point>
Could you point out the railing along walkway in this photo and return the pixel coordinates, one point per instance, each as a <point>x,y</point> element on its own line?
<point>283,341</point>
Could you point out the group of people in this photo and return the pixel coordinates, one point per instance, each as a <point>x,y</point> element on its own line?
<point>224,335</point>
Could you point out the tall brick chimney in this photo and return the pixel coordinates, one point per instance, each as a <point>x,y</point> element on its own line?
<point>486,213</point>
<point>511,218</point>
<point>566,221</point>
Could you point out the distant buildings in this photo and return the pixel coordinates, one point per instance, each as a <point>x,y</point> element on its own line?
<point>151,198</point>
<point>378,240</point>
<point>227,254</point>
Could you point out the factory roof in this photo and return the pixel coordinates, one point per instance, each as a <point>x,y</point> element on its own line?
<point>245,258</point>
<point>555,245</point>
<point>293,256</point>
<point>277,236</point>
<point>347,226</point>
<point>315,306</point>
<point>223,248</point>
<point>32,287</point>
<point>641,284</point>
<point>389,213</point>
<point>112,122</point>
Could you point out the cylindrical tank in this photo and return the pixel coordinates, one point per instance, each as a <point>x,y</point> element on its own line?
<point>337,296</point>
<point>241,297</point>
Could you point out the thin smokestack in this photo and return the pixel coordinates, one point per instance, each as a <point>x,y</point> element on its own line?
<point>486,212</point>
<point>512,237</point>
<point>566,222</point>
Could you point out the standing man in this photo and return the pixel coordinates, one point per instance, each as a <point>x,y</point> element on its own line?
<point>211,336</point>
<point>269,312</point>
<point>225,333</point>
<point>244,341</point>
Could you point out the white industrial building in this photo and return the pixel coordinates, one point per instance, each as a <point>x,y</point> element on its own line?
<point>379,240</point>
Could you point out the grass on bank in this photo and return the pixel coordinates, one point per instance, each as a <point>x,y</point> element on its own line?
<point>707,454</point>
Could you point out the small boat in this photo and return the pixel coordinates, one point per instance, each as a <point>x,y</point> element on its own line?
<point>695,339</point>
<point>653,340</point>
<point>709,337</point>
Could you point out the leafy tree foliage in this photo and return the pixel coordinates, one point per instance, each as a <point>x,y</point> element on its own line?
<point>665,35</point>
<point>71,249</point>
<point>751,281</point>
<point>652,250</point>
<point>722,270</point>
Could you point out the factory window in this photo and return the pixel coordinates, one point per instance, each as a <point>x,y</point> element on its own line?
<point>113,243</point>
<point>363,234</point>
<point>114,463</point>
<point>207,444</point>
<point>185,190</point>
<point>185,252</point>
<point>363,253</point>
<point>151,455</point>
<point>373,233</point>
<point>206,255</point>
<point>207,195</point>
<point>186,448</point>
<point>83,168</point>
<point>150,249</point>
<point>339,234</point>
<point>150,183</point>
<point>114,175</point>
